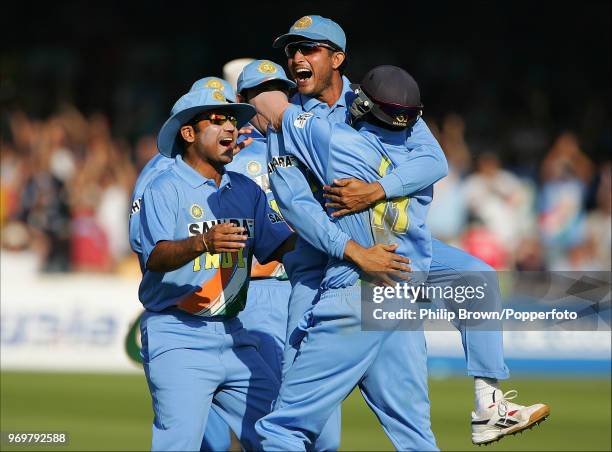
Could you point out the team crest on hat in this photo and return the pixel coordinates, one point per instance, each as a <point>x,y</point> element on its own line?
<point>302,22</point>
<point>196,212</point>
<point>253,167</point>
<point>266,68</point>
<point>215,84</point>
<point>401,120</point>
<point>218,95</point>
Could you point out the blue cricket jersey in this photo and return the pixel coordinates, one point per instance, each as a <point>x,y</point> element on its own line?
<point>252,162</point>
<point>299,198</point>
<point>333,151</point>
<point>153,167</point>
<point>180,203</point>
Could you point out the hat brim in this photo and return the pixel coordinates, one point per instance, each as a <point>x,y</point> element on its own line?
<point>255,83</point>
<point>282,40</point>
<point>166,139</point>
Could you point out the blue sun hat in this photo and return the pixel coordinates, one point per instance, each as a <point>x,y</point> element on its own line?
<point>260,71</point>
<point>189,105</point>
<point>314,28</point>
<point>215,83</point>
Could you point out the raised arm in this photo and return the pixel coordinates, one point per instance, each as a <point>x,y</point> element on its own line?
<point>425,164</point>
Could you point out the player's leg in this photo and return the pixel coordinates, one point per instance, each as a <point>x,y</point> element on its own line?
<point>304,296</point>
<point>333,357</point>
<point>265,317</point>
<point>218,435</point>
<point>483,346</point>
<point>395,388</point>
<point>249,385</point>
<point>183,371</point>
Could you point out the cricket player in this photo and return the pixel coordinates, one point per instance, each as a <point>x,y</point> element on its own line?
<point>389,366</point>
<point>315,48</point>
<point>261,75</point>
<point>200,226</point>
<point>217,436</point>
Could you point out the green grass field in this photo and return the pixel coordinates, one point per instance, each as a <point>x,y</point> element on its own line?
<point>112,412</point>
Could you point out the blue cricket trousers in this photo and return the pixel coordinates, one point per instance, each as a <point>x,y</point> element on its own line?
<point>193,362</point>
<point>390,368</point>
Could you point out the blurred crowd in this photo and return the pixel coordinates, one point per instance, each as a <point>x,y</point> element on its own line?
<point>65,190</point>
<point>66,183</point>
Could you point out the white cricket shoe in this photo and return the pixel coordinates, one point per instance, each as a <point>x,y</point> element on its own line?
<point>503,418</point>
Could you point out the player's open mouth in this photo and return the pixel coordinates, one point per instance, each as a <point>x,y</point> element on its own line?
<point>227,141</point>
<point>302,74</point>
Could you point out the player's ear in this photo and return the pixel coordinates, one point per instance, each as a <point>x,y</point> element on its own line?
<point>337,59</point>
<point>240,99</point>
<point>188,134</point>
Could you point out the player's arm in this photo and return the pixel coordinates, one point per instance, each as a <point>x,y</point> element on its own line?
<point>304,213</point>
<point>292,192</point>
<point>169,255</point>
<point>425,165</point>
<point>307,137</point>
<point>134,224</point>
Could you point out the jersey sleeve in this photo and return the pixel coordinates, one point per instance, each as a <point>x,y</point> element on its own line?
<point>425,166</point>
<point>307,137</point>
<point>270,230</point>
<point>158,215</point>
<point>134,225</point>
<point>295,199</point>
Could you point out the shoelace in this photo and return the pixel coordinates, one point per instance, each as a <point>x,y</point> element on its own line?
<point>503,403</point>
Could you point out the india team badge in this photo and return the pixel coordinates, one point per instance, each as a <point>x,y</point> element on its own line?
<point>266,67</point>
<point>215,84</point>
<point>302,22</point>
<point>253,167</point>
<point>401,120</point>
<point>218,95</point>
<point>196,211</point>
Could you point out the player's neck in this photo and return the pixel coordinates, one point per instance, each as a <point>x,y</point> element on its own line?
<point>210,170</point>
<point>332,93</point>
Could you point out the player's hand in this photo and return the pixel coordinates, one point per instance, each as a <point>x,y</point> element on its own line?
<point>226,238</point>
<point>379,263</point>
<point>352,195</point>
<point>244,143</point>
<point>271,105</point>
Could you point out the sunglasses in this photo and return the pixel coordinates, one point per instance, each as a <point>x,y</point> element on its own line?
<point>306,48</point>
<point>216,119</point>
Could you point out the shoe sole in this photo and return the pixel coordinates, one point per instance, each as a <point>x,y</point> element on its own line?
<point>536,418</point>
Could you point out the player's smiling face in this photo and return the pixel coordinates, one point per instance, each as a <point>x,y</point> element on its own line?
<point>213,140</point>
<point>312,72</point>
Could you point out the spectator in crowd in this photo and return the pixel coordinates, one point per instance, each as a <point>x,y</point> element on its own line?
<point>565,174</point>
<point>448,214</point>
<point>499,200</point>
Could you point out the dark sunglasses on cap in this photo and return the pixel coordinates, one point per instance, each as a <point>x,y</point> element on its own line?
<point>216,119</point>
<point>306,48</point>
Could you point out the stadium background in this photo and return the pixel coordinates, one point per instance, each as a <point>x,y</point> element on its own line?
<point>517,93</point>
